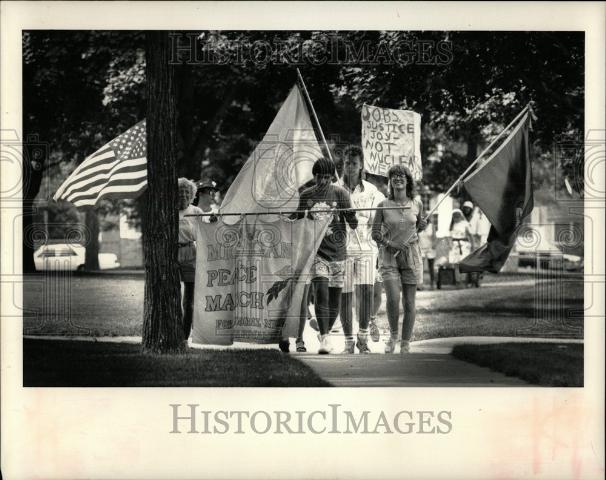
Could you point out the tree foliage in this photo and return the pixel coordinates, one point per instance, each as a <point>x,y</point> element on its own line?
<point>82,89</point>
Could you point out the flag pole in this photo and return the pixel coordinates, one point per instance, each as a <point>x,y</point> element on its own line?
<point>473,164</point>
<point>313,112</point>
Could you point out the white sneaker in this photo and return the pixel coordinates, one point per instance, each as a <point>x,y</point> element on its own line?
<point>325,347</point>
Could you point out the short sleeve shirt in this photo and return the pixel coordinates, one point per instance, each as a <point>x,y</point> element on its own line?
<point>364,196</point>
<point>400,225</point>
<point>187,231</point>
<point>333,246</point>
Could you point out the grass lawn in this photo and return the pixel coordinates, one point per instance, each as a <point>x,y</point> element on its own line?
<point>545,364</point>
<point>113,305</point>
<point>55,363</point>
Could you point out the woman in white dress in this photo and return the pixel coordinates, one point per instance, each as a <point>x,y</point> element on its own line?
<point>460,236</point>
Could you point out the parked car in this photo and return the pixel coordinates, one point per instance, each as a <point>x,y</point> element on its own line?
<point>545,255</point>
<point>64,256</point>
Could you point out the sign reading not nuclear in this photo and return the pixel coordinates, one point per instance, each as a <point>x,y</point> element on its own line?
<point>391,137</point>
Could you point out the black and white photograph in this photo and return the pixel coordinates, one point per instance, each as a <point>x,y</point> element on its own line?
<point>182,202</point>
<point>371,209</point>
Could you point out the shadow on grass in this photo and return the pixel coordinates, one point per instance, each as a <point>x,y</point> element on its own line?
<point>55,363</point>
<point>545,364</point>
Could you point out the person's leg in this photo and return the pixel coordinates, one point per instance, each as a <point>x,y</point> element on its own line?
<point>392,291</point>
<point>346,309</point>
<point>346,320</point>
<point>408,302</point>
<point>304,314</point>
<point>334,305</point>
<point>188,307</point>
<point>375,333</point>
<point>299,343</point>
<point>321,304</point>
<point>364,293</point>
<point>431,268</point>
<point>377,298</point>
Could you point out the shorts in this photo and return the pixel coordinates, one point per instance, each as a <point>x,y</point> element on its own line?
<point>334,271</point>
<point>429,253</point>
<point>188,272</point>
<point>407,276</point>
<point>359,270</point>
<point>406,267</point>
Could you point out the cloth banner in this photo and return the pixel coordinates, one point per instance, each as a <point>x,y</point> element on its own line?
<point>391,137</point>
<point>250,278</point>
<point>280,164</point>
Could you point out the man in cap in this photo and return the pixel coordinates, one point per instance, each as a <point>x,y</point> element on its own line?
<point>206,201</point>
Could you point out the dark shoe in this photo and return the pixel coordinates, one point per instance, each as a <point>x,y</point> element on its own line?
<point>362,345</point>
<point>349,347</point>
<point>301,346</point>
<point>284,346</point>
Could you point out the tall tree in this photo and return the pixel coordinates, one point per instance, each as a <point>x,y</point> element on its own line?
<point>162,317</point>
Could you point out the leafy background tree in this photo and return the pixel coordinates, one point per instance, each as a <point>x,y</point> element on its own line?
<point>81,89</point>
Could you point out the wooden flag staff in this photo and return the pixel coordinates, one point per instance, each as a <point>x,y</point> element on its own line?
<point>313,112</point>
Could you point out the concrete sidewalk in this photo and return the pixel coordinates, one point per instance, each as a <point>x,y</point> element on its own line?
<point>411,370</point>
<point>428,365</point>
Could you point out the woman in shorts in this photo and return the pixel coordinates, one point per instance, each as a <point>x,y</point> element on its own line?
<point>395,227</point>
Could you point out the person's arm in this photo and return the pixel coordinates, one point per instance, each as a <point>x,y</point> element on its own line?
<point>376,201</point>
<point>377,223</point>
<point>300,213</point>
<point>421,220</point>
<point>470,237</point>
<point>350,215</point>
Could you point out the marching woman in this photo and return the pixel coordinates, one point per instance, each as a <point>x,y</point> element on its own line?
<point>395,231</point>
<point>187,249</point>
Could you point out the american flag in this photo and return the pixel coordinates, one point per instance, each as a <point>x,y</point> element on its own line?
<point>116,170</point>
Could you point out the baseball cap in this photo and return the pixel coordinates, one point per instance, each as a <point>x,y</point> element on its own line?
<point>207,184</point>
<point>468,204</point>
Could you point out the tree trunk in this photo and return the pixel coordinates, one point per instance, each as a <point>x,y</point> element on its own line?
<point>162,317</point>
<point>472,149</point>
<point>34,156</point>
<point>91,256</point>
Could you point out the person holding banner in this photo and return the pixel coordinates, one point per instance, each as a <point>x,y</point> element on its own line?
<point>398,220</point>
<point>327,271</point>
<point>361,252</point>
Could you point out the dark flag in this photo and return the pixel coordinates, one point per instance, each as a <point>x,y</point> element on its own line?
<point>502,188</point>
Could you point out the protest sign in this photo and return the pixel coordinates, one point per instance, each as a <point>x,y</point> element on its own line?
<point>250,278</point>
<point>391,137</point>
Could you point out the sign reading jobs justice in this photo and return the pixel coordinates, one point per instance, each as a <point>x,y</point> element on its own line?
<point>391,137</point>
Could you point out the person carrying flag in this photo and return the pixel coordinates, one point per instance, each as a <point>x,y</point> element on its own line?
<point>395,230</point>
<point>327,271</point>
